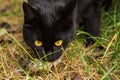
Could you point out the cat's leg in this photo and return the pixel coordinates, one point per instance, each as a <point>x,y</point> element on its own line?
<point>91,22</point>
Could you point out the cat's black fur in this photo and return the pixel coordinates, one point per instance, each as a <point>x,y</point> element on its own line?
<point>52,20</point>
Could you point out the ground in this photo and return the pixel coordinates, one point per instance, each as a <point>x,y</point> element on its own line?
<point>78,62</point>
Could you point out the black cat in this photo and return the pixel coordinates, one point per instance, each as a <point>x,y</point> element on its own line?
<point>50,24</point>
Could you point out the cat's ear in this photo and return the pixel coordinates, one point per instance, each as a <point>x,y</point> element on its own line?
<point>67,9</point>
<point>29,11</point>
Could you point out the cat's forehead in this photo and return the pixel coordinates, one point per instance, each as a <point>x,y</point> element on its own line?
<point>48,3</point>
<point>48,10</point>
<point>47,6</point>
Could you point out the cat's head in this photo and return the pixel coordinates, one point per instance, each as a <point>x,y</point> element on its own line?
<point>47,29</point>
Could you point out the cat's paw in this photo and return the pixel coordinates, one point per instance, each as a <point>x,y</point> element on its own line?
<point>89,42</point>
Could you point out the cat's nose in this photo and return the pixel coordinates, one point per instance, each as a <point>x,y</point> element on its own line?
<point>48,49</point>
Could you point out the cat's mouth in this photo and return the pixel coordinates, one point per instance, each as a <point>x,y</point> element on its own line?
<point>49,56</point>
<point>52,56</point>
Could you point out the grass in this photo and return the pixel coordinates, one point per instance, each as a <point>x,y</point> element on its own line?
<point>78,61</point>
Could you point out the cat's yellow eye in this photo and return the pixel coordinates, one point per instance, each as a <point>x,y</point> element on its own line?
<point>58,43</point>
<point>38,43</point>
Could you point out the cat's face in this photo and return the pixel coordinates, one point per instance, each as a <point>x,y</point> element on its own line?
<point>46,34</point>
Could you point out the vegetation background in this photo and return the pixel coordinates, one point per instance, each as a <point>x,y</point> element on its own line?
<point>78,63</point>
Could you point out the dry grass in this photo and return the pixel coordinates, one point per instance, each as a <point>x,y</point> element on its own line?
<point>78,62</point>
